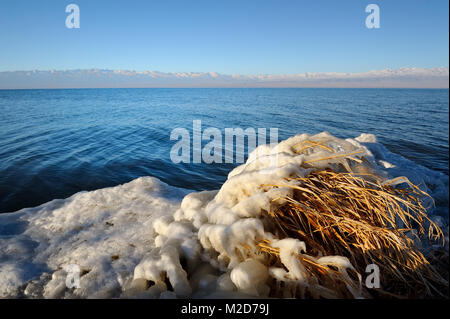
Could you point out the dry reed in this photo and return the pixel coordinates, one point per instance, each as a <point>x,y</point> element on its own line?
<point>339,212</point>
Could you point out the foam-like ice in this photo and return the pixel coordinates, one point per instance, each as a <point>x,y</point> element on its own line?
<point>145,239</point>
<point>87,229</point>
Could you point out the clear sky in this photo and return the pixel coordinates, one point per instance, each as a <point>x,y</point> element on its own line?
<point>246,37</point>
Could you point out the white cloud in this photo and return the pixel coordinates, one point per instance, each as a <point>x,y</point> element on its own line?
<point>403,77</point>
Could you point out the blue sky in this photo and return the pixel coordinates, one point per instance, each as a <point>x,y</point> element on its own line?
<point>245,37</point>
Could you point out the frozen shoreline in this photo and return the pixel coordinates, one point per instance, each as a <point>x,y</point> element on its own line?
<point>126,236</point>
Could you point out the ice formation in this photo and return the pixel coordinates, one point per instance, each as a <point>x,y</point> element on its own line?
<point>145,239</point>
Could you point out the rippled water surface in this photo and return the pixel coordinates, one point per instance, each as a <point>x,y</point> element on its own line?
<point>54,143</point>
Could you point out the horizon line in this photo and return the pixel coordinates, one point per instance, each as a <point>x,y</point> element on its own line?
<point>228,87</point>
<point>437,77</point>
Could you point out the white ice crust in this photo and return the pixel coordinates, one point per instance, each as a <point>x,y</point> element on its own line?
<point>145,239</point>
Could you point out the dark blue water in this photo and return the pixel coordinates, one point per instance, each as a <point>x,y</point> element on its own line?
<point>54,143</point>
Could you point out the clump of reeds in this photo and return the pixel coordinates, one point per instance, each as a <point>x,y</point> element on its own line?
<point>369,222</point>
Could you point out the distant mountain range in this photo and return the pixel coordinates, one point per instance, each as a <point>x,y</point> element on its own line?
<point>96,78</point>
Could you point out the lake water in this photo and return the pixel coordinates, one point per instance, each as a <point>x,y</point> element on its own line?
<point>54,143</point>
